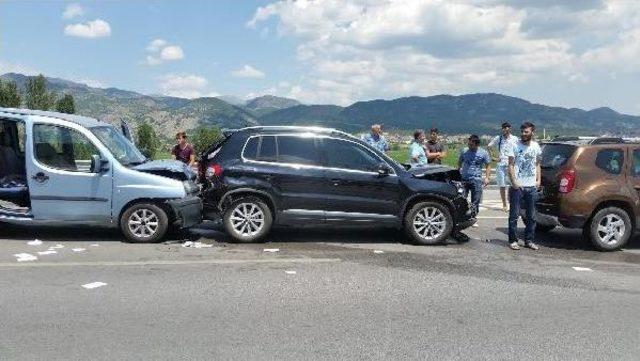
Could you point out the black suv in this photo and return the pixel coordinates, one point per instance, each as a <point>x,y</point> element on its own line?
<point>258,177</point>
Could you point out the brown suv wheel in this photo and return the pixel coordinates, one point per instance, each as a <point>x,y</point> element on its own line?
<point>609,229</point>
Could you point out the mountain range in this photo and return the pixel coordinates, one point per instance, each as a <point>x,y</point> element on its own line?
<point>472,113</point>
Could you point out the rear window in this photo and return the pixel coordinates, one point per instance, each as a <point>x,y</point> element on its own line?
<point>610,160</point>
<point>555,156</point>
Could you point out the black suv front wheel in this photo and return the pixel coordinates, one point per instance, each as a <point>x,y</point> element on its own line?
<point>428,223</point>
<point>247,219</point>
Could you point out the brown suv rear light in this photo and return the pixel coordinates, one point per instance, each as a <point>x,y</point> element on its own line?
<point>567,181</point>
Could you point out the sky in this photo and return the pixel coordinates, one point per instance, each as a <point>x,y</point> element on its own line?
<point>574,53</point>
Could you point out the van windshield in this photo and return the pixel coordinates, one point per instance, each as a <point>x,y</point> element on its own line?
<point>121,148</point>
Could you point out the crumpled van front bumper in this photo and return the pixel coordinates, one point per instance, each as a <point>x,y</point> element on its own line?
<point>188,211</point>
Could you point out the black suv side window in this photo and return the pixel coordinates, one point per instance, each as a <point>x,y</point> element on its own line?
<point>348,155</point>
<point>282,149</point>
<point>610,160</point>
<point>297,150</point>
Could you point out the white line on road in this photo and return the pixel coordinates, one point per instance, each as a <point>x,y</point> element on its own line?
<point>582,269</point>
<point>169,262</point>
<point>93,285</point>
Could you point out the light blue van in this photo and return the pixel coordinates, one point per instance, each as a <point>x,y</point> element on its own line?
<point>61,169</point>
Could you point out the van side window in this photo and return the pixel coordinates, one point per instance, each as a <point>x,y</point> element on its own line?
<point>22,136</point>
<point>62,148</point>
<point>610,160</point>
<point>635,170</point>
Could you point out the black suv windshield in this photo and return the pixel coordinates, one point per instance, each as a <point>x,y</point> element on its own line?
<point>121,148</point>
<point>555,156</point>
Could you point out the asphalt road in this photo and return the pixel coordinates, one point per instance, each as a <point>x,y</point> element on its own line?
<point>326,294</point>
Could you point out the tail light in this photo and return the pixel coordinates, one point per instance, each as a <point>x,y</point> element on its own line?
<point>567,181</point>
<point>214,170</point>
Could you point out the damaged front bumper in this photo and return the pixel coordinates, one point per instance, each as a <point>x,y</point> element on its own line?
<point>466,214</point>
<point>188,211</point>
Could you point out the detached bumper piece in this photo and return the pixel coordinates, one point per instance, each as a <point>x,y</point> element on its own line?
<point>188,211</point>
<point>465,214</point>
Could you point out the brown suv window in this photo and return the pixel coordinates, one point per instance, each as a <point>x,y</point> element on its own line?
<point>635,170</point>
<point>610,160</point>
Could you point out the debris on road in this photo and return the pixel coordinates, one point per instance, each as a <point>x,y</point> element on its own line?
<point>582,269</point>
<point>25,257</point>
<point>48,252</point>
<point>57,246</point>
<point>377,251</point>
<point>78,249</point>
<point>290,272</point>
<point>93,285</point>
<point>190,244</point>
<point>95,245</point>
<point>271,250</point>
<point>35,242</point>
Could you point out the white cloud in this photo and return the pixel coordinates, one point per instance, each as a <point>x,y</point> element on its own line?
<point>93,29</point>
<point>172,52</point>
<point>156,45</point>
<point>248,71</point>
<point>72,10</point>
<point>185,86</point>
<point>160,51</point>
<point>363,49</point>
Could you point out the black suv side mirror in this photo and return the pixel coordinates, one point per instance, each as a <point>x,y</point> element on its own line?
<point>384,170</point>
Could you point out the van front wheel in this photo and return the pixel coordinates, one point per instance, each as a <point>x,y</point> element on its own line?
<point>144,223</point>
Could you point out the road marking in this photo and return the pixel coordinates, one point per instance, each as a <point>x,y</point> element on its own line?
<point>582,269</point>
<point>377,251</point>
<point>169,262</point>
<point>93,285</point>
<point>290,272</point>
<point>271,250</point>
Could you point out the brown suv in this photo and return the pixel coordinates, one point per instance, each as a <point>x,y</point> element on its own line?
<point>592,184</point>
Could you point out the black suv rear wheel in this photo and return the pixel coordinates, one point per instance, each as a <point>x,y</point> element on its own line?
<point>247,219</point>
<point>428,223</point>
<point>609,229</point>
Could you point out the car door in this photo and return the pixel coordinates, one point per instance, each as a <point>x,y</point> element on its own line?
<point>355,190</point>
<point>634,179</point>
<point>61,185</point>
<point>290,164</point>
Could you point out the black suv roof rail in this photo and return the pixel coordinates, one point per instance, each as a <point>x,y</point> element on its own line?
<point>294,128</point>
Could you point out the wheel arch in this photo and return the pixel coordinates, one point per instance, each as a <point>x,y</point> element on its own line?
<point>626,206</point>
<point>162,203</point>
<point>427,197</point>
<point>240,192</point>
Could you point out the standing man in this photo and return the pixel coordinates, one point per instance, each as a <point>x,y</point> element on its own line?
<point>376,139</point>
<point>524,173</point>
<point>502,142</point>
<point>434,148</point>
<point>470,164</point>
<point>417,156</point>
<point>183,151</point>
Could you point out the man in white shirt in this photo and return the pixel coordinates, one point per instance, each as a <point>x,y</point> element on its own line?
<point>524,174</point>
<point>502,142</point>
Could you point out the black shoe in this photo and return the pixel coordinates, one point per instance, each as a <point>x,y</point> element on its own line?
<point>531,245</point>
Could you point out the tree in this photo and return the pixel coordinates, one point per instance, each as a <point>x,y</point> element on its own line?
<point>204,137</point>
<point>66,104</point>
<point>37,95</point>
<point>147,140</point>
<point>9,96</point>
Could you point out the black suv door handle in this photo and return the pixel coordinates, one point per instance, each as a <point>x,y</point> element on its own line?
<point>40,177</point>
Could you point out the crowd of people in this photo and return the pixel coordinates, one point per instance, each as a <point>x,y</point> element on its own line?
<point>518,173</point>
